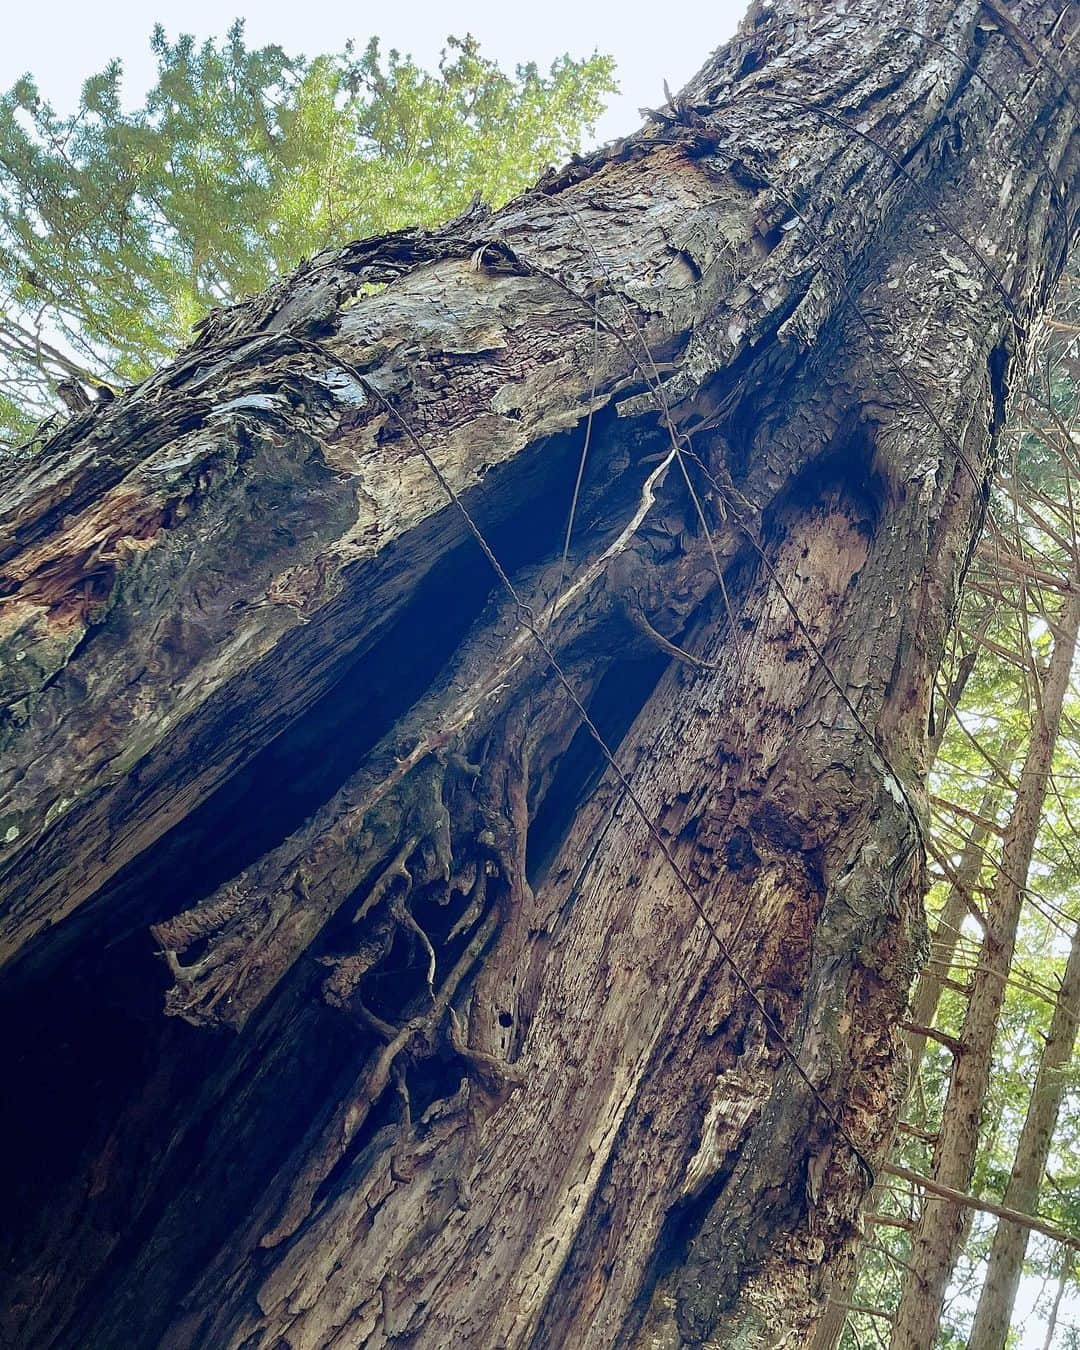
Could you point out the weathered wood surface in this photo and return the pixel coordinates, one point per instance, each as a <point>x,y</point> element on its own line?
<point>494,1083</point>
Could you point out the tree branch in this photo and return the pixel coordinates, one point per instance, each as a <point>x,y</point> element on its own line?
<point>932,1187</point>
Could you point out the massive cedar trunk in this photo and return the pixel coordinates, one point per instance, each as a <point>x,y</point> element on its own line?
<point>454,1057</point>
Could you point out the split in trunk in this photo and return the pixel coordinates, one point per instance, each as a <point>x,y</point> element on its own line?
<point>495,1081</point>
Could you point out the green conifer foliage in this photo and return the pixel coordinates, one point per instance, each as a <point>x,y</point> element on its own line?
<point>120,228</point>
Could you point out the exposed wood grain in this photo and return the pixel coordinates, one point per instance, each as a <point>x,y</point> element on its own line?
<point>493,1084</point>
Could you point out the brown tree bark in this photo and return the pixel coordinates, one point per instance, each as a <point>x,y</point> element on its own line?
<point>994,1311</point>
<point>938,1237</point>
<point>479,1039</point>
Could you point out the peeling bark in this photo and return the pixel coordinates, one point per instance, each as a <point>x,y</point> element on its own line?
<point>454,1060</point>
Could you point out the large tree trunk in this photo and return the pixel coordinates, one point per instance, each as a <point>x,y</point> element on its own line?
<point>533,1049</point>
<point>938,1238</point>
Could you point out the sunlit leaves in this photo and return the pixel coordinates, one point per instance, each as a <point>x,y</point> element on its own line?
<point>120,228</point>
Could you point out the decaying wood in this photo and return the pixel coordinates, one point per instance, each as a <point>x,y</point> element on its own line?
<point>453,1060</point>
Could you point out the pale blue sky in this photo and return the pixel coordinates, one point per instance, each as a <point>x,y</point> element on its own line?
<point>64,41</point>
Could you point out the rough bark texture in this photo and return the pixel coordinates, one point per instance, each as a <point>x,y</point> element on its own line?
<point>938,1237</point>
<point>994,1311</point>
<point>494,1082</point>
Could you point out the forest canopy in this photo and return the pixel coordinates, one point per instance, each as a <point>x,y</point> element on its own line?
<point>121,227</point>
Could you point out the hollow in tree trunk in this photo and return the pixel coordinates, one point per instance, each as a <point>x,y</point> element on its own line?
<point>476,1038</point>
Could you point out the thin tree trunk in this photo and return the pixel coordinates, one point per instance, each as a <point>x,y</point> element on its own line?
<point>479,1038</point>
<point>1067,1262</point>
<point>965,668</point>
<point>939,1235</point>
<point>955,910</point>
<point>994,1311</point>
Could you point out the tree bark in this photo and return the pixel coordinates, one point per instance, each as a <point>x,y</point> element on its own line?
<point>994,1311</point>
<point>938,1237</point>
<point>480,1038</point>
